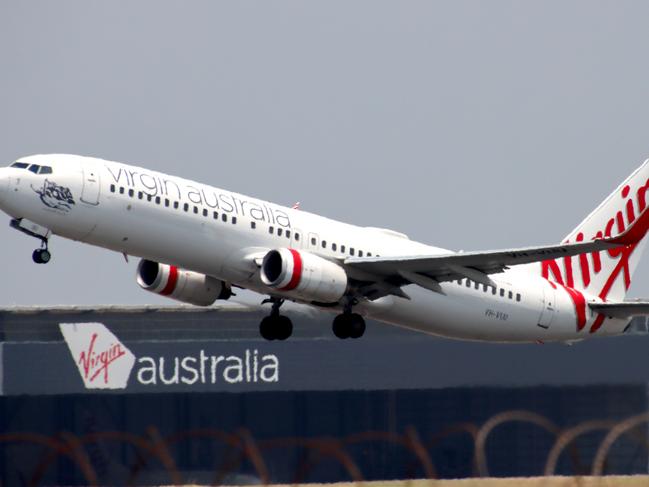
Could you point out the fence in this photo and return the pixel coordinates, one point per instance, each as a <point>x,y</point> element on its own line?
<point>241,446</point>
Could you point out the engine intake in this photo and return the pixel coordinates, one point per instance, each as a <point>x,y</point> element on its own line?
<point>303,275</point>
<point>180,284</point>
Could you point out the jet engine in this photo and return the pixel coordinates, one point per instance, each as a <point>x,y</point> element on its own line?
<point>180,284</point>
<point>303,275</point>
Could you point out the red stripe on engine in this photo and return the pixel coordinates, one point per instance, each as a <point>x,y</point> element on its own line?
<point>297,271</point>
<point>171,282</point>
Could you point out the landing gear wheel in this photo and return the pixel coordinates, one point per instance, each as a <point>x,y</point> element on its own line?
<point>266,328</point>
<point>41,256</point>
<point>283,327</point>
<point>348,325</point>
<point>356,325</point>
<point>276,327</point>
<point>340,327</point>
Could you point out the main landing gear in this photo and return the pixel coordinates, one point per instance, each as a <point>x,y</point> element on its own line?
<point>275,326</point>
<point>280,327</point>
<point>348,325</point>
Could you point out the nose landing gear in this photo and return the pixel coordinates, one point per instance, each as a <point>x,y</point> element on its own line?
<point>39,256</point>
<point>275,326</point>
<point>42,255</point>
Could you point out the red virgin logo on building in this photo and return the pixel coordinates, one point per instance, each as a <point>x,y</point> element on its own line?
<point>103,361</point>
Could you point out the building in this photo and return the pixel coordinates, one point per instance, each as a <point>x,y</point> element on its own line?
<point>152,395</point>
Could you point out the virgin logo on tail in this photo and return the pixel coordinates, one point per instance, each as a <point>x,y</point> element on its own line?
<point>103,361</point>
<point>631,224</point>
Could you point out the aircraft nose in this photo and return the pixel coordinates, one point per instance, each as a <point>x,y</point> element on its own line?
<point>4,182</point>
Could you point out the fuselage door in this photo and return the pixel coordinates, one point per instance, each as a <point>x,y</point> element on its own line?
<point>91,183</point>
<point>548,307</point>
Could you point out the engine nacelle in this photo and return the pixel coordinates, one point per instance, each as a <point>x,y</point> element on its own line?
<point>180,284</point>
<point>303,275</point>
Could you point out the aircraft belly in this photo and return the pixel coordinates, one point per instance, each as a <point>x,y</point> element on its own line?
<point>462,316</point>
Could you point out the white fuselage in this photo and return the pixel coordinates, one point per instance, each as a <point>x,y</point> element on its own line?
<point>218,233</point>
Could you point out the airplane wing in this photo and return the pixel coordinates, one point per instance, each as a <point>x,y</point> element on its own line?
<point>386,275</point>
<point>625,309</point>
<point>429,270</point>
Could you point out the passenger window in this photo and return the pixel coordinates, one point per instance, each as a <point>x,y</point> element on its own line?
<point>149,197</point>
<point>224,217</point>
<point>140,195</point>
<point>234,220</point>
<point>195,210</point>
<point>112,188</point>
<point>175,205</point>
<point>342,249</point>
<point>484,287</point>
<point>131,192</point>
<point>518,297</point>
<point>468,283</point>
<point>288,234</point>
<point>271,230</point>
<point>215,215</point>
<point>369,254</point>
<point>186,207</point>
<point>297,237</point>
<point>511,295</point>
<point>253,225</point>
<point>45,170</point>
<point>204,212</point>
<point>157,200</point>
<point>351,251</point>
<point>34,168</point>
<point>477,286</point>
<point>20,165</point>
<point>334,247</point>
<point>279,232</point>
<point>312,240</point>
<point>502,293</point>
<point>167,202</point>
<point>493,290</point>
<point>360,253</point>
<point>121,190</point>
<point>324,244</point>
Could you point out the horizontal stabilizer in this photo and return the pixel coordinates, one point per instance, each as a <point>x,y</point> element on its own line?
<point>626,309</point>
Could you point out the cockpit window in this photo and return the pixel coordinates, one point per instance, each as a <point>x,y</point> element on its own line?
<point>35,168</point>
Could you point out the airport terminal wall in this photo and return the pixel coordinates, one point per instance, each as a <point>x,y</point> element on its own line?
<point>195,395</point>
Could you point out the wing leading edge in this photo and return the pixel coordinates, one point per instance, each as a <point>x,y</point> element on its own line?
<point>429,270</point>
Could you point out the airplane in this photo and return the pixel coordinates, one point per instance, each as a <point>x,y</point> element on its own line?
<point>197,242</point>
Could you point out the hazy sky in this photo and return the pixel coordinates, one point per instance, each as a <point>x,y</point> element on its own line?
<point>465,124</point>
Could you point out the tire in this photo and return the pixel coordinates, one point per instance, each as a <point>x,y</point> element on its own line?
<point>340,326</point>
<point>36,256</point>
<point>283,328</point>
<point>266,328</point>
<point>356,325</point>
<point>45,256</point>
